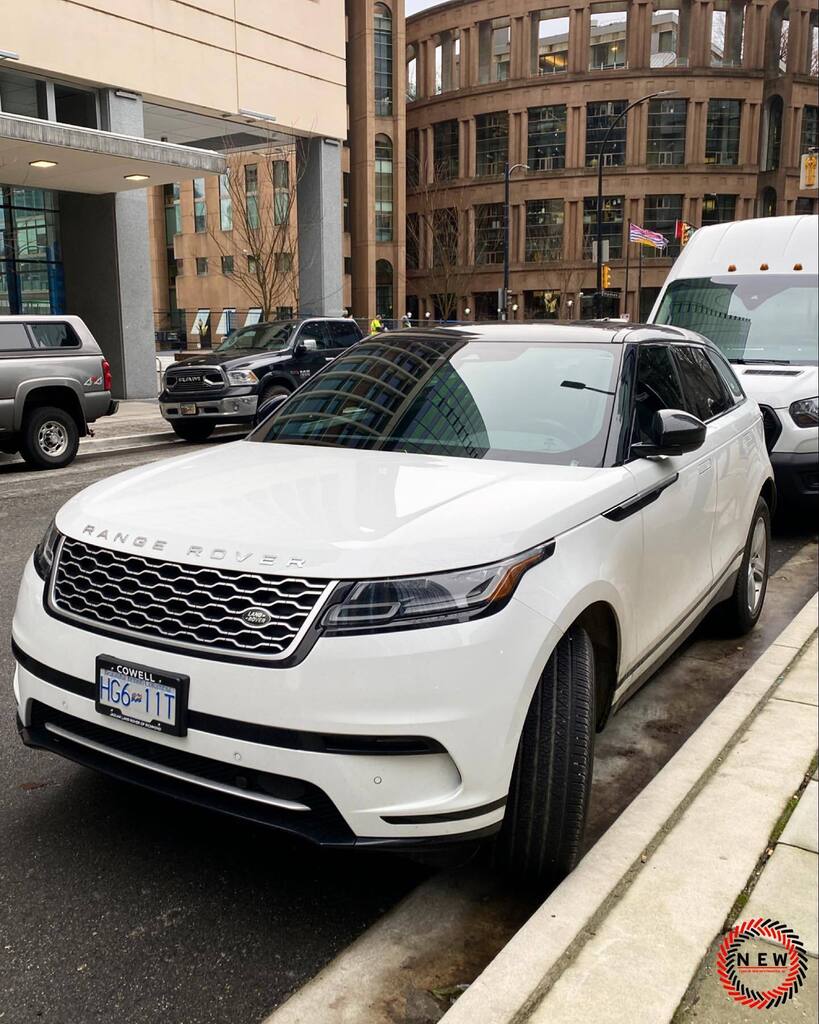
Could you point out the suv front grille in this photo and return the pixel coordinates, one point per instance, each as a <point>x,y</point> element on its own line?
<point>204,378</point>
<point>182,605</point>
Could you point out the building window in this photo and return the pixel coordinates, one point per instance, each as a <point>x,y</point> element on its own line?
<point>773,133</point>
<point>348,266</point>
<point>812,55</point>
<point>550,41</point>
<point>173,214</point>
<point>489,233</point>
<point>810,129</point>
<point>225,204</point>
<point>722,132</point>
<point>201,266</point>
<point>284,312</point>
<point>666,133</point>
<point>382,43</point>
<point>445,147</point>
<point>778,36</point>
<point>383,289</point>
<point>547,138</point>
<point>252,196</point>
<point>413,241</point>
<point>494,49</point>
<point>491,143</point>
<point>612,218</point>
<point>31,271</point>
<point>75,106</point>
<point>345,188</point>
<point>200,212</point>
<point>281,206</point>
<point>383,189</point>
<point>178,267</point>
<point>661,214</point>
<point>541,305</point>
<point>22,95</point>
<point>412,74</point>
<point>599,116</point>
<point>544,230</point>
<point>227,264</point>
<point>718,209</point>
<point>413,159</point>
<point>607,36</point>
<point>727,33</point>
<point>252,265</point>
<point>284,262</point>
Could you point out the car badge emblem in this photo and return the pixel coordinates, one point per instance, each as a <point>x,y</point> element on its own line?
<point>257,617</point>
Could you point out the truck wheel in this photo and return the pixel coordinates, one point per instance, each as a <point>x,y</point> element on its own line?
<point>542,832</point>
<point>740,613</point>
<point>273,391</point>
<point>49,437</point>
<point>193,430</point>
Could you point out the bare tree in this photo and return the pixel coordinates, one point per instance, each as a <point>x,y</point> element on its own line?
<point>255,225</point>
<point>436,239</point>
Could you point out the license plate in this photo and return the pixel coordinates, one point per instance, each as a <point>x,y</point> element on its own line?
<point>142,696</point>
<point>188,408</point>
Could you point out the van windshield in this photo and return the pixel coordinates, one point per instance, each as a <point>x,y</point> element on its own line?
<point>754,318</point>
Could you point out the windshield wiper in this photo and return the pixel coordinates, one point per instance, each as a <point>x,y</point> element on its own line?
<point>774,362</point>
<point>580,386</point>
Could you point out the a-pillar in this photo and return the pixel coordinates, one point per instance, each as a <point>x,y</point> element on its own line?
<point>320,216</point>
<point>106,257</point>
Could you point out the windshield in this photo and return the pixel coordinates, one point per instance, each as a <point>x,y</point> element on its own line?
<point>270,337</point>
<point>751,319</point>
<point>456,396</point>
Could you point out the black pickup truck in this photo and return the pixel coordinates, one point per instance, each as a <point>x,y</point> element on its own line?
<point>251,366</point>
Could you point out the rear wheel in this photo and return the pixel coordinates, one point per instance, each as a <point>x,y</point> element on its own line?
<point>740,613</point>
<point>49,437</point>
<point>193,430</point>
<point>542,833</point>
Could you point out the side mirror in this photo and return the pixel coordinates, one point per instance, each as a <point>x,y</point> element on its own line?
<point>674,432</point>
<point>307,345</point>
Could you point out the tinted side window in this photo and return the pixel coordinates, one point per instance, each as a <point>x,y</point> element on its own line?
<point>343,334</point>
<point>729,378</point>
<point>13,338</point>
<point>706,394</point>
<point>54,335</point>
<point>657,387</point>
<point>316,329</point>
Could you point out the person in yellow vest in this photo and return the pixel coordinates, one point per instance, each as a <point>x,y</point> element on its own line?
<point>376,324</point>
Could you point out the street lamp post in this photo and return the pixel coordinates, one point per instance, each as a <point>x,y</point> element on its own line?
<point>598,295</point>
<point>507,174</point>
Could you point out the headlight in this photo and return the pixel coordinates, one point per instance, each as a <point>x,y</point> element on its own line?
<point>242,377</point>
<point>418,601</point>
<point>44,552</point>
<point>806,412</point>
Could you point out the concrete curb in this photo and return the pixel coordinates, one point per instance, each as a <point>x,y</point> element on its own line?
<point>553,940</point>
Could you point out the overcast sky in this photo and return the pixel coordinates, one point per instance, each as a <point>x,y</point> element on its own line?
<point>413,6</point>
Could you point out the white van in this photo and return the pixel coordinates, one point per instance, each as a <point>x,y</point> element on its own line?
<point>751,287</point>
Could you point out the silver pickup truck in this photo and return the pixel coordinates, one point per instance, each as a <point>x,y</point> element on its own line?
<point>54,381</point>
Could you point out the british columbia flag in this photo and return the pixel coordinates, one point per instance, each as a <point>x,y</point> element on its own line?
<point>645,237</point>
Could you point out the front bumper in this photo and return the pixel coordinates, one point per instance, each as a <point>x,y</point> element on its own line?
<point>232,409</point>
<point>797,477</point>
<point>391,739</point>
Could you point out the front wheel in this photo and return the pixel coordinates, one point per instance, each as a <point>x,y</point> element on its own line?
<point>49,438</point>
<point>193,430</point>
<point>740,613</point>
<point>542,833</point>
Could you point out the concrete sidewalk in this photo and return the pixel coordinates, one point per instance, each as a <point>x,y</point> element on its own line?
<point>630,936</point>
<point>134,418</point>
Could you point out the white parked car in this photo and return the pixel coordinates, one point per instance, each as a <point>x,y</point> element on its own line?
<point>751,286</point>
<point>398,612</point>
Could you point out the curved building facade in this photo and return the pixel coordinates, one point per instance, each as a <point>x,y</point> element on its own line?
<point>492,83</point>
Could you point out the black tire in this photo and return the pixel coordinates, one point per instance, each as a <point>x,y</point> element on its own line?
<point>272,391</point>
<point>542,833</point>
<point>49,437</point>
<point>738,615</point>
<point>193,430</point>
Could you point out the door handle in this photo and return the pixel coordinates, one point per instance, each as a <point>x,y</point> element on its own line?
<point>706,465</point>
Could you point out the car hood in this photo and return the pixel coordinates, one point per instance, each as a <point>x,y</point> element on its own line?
<point>777,385</point>
<point>235,359</point>
<point>337,513</point>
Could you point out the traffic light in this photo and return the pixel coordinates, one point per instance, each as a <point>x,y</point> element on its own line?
<point>606,276</point>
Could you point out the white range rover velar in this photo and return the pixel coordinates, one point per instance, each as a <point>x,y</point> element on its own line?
<point>398,612</point>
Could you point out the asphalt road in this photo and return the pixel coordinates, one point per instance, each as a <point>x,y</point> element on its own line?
<point>117,905</point>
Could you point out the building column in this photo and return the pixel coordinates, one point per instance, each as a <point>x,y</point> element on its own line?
<point>106,255</point>
<point>638,34</point>
<point>579,31</point>
<point>320,215</point>
<point>575,136</point>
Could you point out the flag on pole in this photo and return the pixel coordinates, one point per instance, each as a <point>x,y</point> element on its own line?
<point>645,237</point>
<point>683,232</point>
